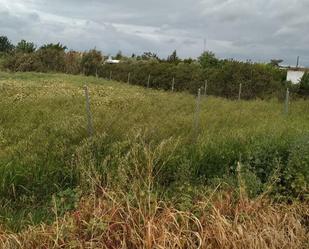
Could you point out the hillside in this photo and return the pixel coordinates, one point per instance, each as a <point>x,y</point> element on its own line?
<point>152,158</point>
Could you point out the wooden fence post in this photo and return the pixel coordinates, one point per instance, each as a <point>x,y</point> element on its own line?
<point>173,84</point>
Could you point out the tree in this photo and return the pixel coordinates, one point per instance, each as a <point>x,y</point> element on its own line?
<point>25,47</point>
<point>188,60</point>
<point>58,46</point>
<point>149,56</point>
<point>119,55</point>
<point>173,58</point>
<point>91,61</point>
<point>5,45</point>
<point>304,85</point>
<point>73,62</point>
<point>208,59</point>
<point>275,62</point>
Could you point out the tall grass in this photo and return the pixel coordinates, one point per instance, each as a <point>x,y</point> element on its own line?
<point>139,218</point>
<point>45,150</point>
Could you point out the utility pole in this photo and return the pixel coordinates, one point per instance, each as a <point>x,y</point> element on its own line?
<point>204,49</point>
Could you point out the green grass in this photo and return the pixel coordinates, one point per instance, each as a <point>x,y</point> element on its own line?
<point>45,149</point>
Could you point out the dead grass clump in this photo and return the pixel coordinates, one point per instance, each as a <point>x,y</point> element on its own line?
<point>111,221</point>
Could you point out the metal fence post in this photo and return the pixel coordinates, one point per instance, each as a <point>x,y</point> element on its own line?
<point>287,102</point>
<point>197,115</point>
<point>148,82</point>
<point>205,88</point>
<point>129,74</point>
<point>239,91</point>
<point>89,116</point>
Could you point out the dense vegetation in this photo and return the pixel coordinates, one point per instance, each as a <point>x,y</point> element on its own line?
<point>45,148</point>
<point>162,170</point>
<point>223,77</point>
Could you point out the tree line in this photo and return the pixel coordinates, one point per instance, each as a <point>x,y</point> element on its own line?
<point>222,77</point>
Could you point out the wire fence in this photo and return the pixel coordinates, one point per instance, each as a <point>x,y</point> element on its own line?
<point>89,115</point>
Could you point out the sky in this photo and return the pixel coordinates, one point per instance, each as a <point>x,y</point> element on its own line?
<point>258,30</point>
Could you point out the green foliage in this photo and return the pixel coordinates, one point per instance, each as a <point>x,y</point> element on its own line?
<point>5,45</point>
<point>58,46</point>
<point>143,139</point>
<point>296,174</point>
<point>148,56</point>
<point>24,62</point>
<point>275,62</point>
<point>52,58</point>
<point>223,76</point>
<point>25,47</point>
<point>73,62</point>
<point>119,55</point>
<point>173,58</point>
<point>304,85</point>
<point>91,61</point>
<point>258,80</point>
<point>66,200</point>
<point>208,60</point>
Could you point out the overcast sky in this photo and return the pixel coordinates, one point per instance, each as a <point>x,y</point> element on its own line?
<point>242,29</point>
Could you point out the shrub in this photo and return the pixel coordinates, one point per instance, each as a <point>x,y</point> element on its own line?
<point>304,85</point>
<point>91,61</point>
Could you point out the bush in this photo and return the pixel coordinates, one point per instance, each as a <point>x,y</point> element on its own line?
<point>296,174</point>
<point>304,85</point>
<point>52,59</point>
<point>91,61</point>
<point>21,62</point>
<point>258,81</point>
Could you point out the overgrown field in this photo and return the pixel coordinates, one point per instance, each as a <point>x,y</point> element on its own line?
<point>151,160</point>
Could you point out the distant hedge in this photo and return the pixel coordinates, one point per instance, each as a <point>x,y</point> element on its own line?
<point>258,80</point>
<point>223,77</point>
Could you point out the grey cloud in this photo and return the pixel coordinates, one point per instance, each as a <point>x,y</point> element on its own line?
<point>255,29</point>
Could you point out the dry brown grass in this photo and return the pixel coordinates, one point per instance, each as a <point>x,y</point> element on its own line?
<point>107,220</point>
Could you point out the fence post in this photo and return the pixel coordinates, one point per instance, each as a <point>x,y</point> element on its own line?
<point>96,73</point>
<point>239,92</point>
<point>148,82</point>
<point>129,74</point>
<point>89,116</point>
<point>287,102</point>
<point>205,88</point>
<point>197,115</point>
<point>173,84</point>
<point>110,75</point>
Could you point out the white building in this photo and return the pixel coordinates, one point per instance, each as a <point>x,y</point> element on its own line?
<point>294,75</point>
<point>111,61</point>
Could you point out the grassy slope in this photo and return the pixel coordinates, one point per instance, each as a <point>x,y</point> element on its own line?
<point>44,146</point>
